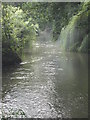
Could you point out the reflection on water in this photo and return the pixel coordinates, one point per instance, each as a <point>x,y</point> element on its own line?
<point>48,83</point>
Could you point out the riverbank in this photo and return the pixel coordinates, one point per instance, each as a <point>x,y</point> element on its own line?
<point>75,36</point>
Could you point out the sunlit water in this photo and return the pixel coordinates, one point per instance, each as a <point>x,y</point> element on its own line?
<point>48,83</point>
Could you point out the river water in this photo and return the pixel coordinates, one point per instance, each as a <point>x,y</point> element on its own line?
<point>48,83</point>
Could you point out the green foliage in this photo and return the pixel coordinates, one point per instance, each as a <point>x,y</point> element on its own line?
<point>74,36</point>
<point>62,12</point>
<point>39,11</point>
<point>21,22</point>
<point>84,45</point>
<point>16,32</point>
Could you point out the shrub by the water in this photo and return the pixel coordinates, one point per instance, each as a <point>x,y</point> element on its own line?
<point>16,32</point>
<point>74,37</point>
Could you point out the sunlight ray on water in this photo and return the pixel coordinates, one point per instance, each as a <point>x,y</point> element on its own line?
<point>47,83</point>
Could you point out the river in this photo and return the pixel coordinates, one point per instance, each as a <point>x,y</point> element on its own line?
<point>48,83</point>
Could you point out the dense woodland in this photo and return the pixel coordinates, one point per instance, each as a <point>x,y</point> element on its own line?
<point>22,23</point>
<point>45,46</point>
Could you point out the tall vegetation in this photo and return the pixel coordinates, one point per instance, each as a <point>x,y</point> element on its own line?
<point>61,14</point>
<point>74,37</point>
<point>16,32</point>
<point>53,14</point>
<point>21,22</point>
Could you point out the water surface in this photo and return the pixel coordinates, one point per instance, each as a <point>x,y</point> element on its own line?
<point>48,83</point>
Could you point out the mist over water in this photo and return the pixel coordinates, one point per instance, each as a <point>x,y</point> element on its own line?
<point>48,83</point>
